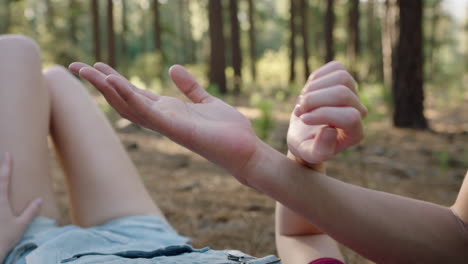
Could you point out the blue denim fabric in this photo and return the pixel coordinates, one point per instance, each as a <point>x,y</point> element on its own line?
<point>136,239</point>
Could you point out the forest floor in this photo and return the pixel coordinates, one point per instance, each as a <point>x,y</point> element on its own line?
<point>205,203</point>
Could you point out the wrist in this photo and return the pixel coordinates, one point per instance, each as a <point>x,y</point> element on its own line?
<point>263,167</point>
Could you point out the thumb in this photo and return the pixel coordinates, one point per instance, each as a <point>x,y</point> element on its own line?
<point>30,212</point>
<point>325,143</point>
<point>188,85</point>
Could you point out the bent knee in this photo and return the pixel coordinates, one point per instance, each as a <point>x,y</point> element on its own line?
<point>19,44</point>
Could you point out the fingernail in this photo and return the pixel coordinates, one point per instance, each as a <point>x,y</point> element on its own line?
<point>304,117</point>
<point>297,110</point>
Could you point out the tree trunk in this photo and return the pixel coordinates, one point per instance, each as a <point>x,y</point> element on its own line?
<point>408,94</point>
<point>329,26</point>
<point>217,61</point>
<point>292,42</point>
<point>305,41</point>
<point>235,46</point>
<point>110,34</point>
<point>374,53</point>
<point>252,45</point>
<point>389,37</point>
<point>353,41</point>
<point>96,33</point>
<point>156,26</point>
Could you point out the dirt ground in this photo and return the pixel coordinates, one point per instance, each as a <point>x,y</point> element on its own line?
<point>208,205</point>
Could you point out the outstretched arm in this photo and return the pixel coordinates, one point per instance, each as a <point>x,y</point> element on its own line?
<point>383,227</point>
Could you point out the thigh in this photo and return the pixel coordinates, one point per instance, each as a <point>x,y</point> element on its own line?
<point>24,118</point>
<point>102,180</point>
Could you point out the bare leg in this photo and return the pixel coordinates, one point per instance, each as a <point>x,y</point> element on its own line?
<point>24,117</point>
<point>102,181</point>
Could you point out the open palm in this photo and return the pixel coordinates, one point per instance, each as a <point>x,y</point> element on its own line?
<point>207,126</point>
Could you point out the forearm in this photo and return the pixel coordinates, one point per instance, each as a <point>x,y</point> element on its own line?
<point>383,227</point>
<point>297,244</point>
<point>290,223</point>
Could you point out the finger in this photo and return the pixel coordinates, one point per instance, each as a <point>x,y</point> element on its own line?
<point>346,118</point>
<point>339,77</point>
<point>328,68</point>
<point>75,67</point>
<point>320,149</point>
<point>30,212</point>
<point>98,80</point>
<point>334,96</point>
<point>5,174</point>
<point>106,69</point>
<point>140,104</point>
<point>188,85</point>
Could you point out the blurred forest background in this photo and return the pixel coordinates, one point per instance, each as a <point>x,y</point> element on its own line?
<point>410,59</point>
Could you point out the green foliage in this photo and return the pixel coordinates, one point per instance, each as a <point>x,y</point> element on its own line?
<point>147,67</point>
<point>443,160</point>
<point>345,153</point>
<point>265,123</point>
<point>213,90</point>
<point>376,98</point>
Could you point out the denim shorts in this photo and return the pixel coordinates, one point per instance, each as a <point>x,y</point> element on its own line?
<point>134,239</point>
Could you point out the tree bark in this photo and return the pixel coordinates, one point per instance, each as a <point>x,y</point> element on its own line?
<point>292,42</point>
<point>408,93</point>
<point>305,41</point>
<point>156,26</point>
<point>235,46</point>
<point>217,74</point>
<point>329,26</point>
<point>354,38</point>
<point>252,44</point>
<point>96,33</point>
